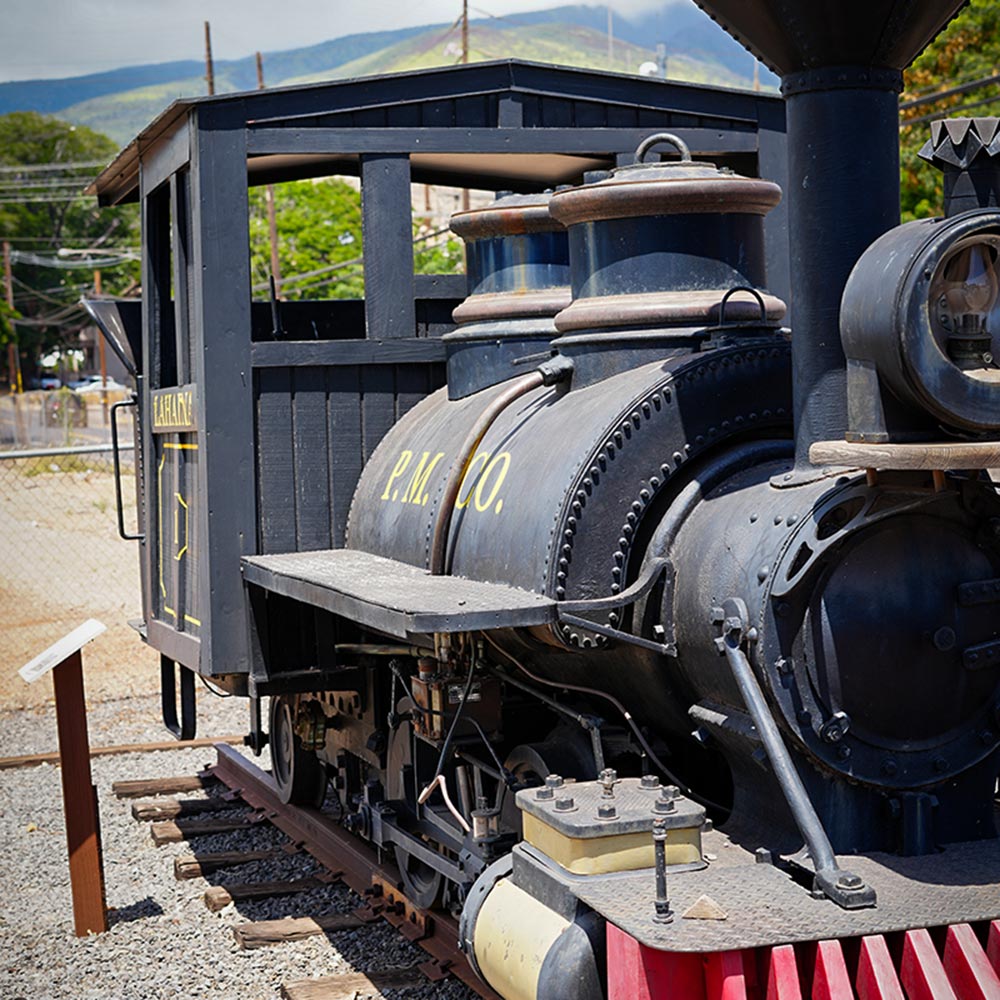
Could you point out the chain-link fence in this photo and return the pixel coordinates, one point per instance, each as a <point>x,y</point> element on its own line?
<point>62,561</point>
<point>60,419</point>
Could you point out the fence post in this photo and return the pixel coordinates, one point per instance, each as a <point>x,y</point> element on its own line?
<point>83,824</point>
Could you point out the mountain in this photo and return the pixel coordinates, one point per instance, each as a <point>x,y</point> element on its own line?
<point>120,102</point>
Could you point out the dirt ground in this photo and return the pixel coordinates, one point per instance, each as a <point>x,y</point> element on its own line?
<point>62,562</point>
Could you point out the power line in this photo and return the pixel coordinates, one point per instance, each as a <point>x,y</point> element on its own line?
<point>964,88</point>
<point>934,116</point>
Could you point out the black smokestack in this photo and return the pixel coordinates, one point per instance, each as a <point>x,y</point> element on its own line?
<point>840,63</point>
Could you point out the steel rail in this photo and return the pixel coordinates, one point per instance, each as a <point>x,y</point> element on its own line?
<point>339,851</point>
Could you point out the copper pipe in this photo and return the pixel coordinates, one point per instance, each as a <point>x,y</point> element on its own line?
<point>442,524</point>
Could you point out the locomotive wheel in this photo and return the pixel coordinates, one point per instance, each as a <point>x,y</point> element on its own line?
<point>299,774</point>
<point>421,883</point>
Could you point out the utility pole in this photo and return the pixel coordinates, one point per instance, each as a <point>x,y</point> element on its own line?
<point>272,221</point>
<point>209,68</point>
<point>465,59</point>
<point>611,39</point>
<point>13,355</point>
<point>98,291</point>
<point>756,73</point>
<point>465,31</point>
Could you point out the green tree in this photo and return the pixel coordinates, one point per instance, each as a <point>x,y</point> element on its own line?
<point>319,241</point>
<point>966,51</point>
<point>45,164</point>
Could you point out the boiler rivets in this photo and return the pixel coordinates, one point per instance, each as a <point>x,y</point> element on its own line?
<point>889,767</point>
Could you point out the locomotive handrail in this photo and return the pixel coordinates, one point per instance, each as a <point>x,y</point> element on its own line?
<point>842,887</point>
<point>116,459</point>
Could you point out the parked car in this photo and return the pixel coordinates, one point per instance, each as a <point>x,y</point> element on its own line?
<point>96,386</point>
<point>79,383</point>
<point>45,382</point>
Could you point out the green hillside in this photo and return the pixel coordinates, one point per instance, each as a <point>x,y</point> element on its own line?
<point>563,44</point>
<point>122,115</point>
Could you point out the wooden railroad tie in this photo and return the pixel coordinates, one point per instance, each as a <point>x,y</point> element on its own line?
<point>173,831</point>
<point>349,984</point>
<point>33,759</point>
<point>147,810</point>
<point>262,933</point>
<point>220,896</point>
<point>198,865</point>
<point>146,787</point>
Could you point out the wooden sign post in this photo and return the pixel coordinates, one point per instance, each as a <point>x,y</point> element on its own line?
<point>83,825</point>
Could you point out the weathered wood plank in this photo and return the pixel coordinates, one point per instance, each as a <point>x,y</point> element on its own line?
<point>262,933</point>
<point>173,831</point>
<point>52,757</point>
<point>347,985</point>
<point>146,810</point>
<point>145,787</point>
<point>220,896</point>
<point>927,456</point>
<point>198,865</point>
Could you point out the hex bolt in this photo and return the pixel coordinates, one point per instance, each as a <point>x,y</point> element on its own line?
<point>848,881</point>
<point>553,781</point>
<point>835,728</point>
<point>565,804</point>
<point>606,811</point>
<point>607,778</point>
<point>665,803</point>
<point>671,792</point>
<point>662,913</point>
<point>545,793</point>
<point>649,781</point>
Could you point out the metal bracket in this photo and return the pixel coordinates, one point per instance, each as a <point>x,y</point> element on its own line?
<point>185,728</point>
<point>567,611</point>
<point>842,887</point>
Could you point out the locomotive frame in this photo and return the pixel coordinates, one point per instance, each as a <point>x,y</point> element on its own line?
<point>259,417</point>
<point>683,558</point>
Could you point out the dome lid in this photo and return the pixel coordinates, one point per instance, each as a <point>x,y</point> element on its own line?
<point>668,187</point>
<point>509,215</point>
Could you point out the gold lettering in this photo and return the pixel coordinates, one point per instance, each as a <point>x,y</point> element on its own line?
<point>418,482</point>
<point>484,503</point>
<point>463,501</point>
<point>401,464</point>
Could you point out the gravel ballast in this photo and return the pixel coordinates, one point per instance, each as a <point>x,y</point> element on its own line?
<point>163,941</point>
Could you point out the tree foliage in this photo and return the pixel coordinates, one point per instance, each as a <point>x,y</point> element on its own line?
<point>319,240</point>
<point>41,212</point>
<point>966,51</point>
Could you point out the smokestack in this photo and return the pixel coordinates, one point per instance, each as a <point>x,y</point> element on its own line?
<point>840,63</point>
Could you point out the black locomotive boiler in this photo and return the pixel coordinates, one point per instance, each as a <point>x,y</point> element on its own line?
<point>662,636</point>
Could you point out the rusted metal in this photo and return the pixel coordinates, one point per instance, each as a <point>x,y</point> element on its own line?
<point>357,863</point>
<point>83,824</point>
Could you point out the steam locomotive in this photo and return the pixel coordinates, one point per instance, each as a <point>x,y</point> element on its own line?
<point>662,631</point>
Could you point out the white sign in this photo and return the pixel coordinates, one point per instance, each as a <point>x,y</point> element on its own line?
<point>58,652</point>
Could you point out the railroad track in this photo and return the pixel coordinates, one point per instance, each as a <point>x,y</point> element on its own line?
<point>343,857</point>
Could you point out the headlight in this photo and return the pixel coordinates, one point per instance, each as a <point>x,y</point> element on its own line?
<point>918,320</point>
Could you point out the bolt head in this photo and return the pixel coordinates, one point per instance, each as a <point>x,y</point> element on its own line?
<point>649,781</point>
<point>553,781</point>
<point>565,804</point>
<point>664,805</point>
<point>671,792</point>
<point>850,882</point>
<point>606,811</point>
<point>544,793</point>
<point>608,776</point>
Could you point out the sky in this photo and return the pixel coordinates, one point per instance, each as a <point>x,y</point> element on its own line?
<point>55,38</point>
